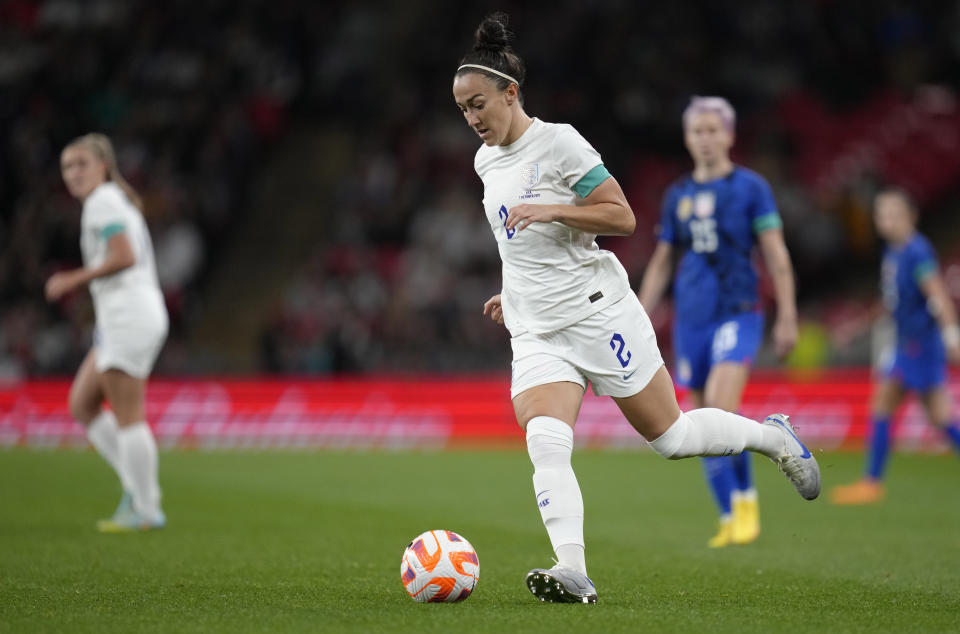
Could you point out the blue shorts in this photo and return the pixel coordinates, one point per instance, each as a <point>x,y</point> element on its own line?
<point>698,348</point>
<point>918,364</point>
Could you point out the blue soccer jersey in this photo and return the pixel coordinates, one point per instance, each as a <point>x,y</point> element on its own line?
<point>919,360</point>
<point>716,224</point>
<point>904,269</point>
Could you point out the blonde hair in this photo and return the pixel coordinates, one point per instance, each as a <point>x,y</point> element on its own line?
<point>100,146</point>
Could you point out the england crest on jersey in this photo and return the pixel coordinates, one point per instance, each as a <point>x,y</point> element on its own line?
<point>703,204</point>
<point>530,175</point>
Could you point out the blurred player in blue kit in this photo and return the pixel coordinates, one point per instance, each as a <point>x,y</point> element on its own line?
<point>927,336</point>
<point>714,216</point>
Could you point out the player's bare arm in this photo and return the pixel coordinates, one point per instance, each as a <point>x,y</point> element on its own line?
<point>777,258</point>
<point>656,277</point>
<point>604,212</point>
<point>119,256</point>
<point>942,308</point>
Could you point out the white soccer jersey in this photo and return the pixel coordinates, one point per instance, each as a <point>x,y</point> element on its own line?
<point>553,275</point>
<point>106,212</point>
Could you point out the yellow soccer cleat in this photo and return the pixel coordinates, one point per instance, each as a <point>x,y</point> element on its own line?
<point>745,527</point>
<point>865,491</point>
<point>724,534</point>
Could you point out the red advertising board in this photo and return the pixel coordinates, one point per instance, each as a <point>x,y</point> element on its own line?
<point>830,408</point>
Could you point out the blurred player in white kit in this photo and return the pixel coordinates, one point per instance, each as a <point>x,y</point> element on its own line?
<point>131,327</point>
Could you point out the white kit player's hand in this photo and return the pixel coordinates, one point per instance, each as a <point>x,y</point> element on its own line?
<point>494,309</point>
<point>521,216</point>
<point>59,284</point>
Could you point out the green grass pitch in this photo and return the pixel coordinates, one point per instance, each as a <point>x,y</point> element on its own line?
<point>311,541</point>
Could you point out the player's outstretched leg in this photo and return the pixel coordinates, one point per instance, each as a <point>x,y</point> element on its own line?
<point>714,432</point>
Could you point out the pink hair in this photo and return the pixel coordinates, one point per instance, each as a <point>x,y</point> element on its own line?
<point>717,105</point>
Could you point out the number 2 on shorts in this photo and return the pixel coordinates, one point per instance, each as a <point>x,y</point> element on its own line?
<point>617,344</point>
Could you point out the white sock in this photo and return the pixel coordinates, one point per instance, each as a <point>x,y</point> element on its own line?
<point>138,455</point>
<point>747,495</point>
<point>714,432</point>
<point>550,445</point>
<point>102,434</point>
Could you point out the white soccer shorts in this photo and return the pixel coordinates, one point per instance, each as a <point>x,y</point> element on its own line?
<point>615,349</point>
<point>131,345</point>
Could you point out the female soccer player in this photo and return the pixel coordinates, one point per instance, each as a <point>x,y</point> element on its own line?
<point>715,215</point>
<point>927,333</point>
<point>131,326</point>
<point>570,312</point>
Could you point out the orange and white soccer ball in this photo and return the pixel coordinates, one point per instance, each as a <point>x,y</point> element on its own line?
<point>439,566</point>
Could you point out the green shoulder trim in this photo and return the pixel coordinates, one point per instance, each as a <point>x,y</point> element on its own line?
<point>590,180</point>
<point>923,270</point>
<point>111,230</point>
<point>766,222</point>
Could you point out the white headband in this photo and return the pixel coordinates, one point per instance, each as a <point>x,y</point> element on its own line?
<point>490,70</point>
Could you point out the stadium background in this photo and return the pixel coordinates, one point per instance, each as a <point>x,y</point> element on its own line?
<point>309,185</point>
<point>324,257</point>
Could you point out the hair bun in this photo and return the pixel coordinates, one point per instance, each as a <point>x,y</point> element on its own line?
<point>492,34</point>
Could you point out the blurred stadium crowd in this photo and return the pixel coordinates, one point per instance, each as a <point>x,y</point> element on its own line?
<point>833,99</point>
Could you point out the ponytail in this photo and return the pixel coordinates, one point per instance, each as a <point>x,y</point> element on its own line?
<point>101,147</point>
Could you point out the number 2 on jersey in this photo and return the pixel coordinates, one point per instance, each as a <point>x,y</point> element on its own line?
<point>615,341</point>
<point>503,216</point>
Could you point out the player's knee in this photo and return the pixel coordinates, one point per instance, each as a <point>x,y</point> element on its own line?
<point>82,409</point>
<point>549,442</point>
<point>670,444</point>
<point>530,409</point>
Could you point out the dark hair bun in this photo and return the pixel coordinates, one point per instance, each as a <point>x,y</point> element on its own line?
<point>492,34</point>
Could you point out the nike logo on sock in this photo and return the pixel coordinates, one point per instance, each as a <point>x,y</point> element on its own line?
<point>542,492</point>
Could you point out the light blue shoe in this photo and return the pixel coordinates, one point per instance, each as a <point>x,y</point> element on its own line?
<point>123,511</point>
<point>131,522</point>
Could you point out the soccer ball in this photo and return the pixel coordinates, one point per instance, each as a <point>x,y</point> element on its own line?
<point>439,566</point>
